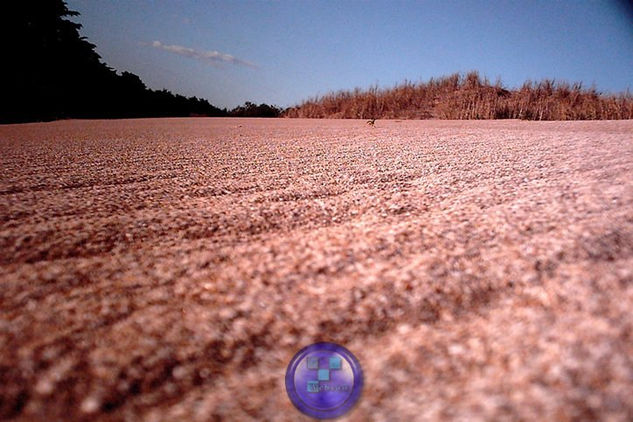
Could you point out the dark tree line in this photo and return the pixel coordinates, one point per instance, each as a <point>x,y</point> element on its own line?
<point>253,110</point>
<point>51,72</point>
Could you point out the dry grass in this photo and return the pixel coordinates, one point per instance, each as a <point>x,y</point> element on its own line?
<point>169,269</point>
<point>469,97</point>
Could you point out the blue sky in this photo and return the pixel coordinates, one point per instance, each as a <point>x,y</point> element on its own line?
<point>281,52</point>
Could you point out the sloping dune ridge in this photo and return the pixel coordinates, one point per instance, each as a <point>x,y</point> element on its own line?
<point>170,269</point>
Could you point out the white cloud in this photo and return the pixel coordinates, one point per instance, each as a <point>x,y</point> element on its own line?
<point>213,57</point>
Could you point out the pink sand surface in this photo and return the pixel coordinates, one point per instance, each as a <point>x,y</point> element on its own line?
<point>170,269</point>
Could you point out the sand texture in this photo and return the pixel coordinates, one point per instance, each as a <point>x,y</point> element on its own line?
<point>169,269</point>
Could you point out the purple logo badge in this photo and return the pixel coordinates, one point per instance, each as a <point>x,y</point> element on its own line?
<point>324,380</point>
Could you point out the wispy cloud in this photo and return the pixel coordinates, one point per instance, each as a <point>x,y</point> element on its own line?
<point>213,57</point>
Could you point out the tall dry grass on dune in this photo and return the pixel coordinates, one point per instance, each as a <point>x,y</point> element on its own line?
<point>469,97</point>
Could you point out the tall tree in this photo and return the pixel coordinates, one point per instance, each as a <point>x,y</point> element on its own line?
<point>50,71</point>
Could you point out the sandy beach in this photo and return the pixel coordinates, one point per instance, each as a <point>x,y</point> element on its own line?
<point>169,269</point>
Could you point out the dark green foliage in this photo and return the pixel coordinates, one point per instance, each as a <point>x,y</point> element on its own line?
<point>469,97</point>
<point>51,72</point>
<point>253,110</point>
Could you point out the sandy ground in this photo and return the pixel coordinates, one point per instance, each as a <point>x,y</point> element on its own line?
<point>169,269</point>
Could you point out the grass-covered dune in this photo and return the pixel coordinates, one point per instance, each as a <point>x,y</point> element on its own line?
<point>470,97</point>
